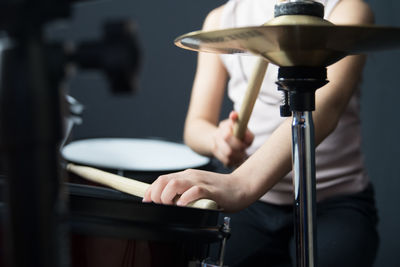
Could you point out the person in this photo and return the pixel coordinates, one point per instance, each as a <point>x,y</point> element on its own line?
<point>258,193</point>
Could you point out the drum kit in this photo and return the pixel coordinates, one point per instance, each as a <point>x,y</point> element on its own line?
<point>133,233</point>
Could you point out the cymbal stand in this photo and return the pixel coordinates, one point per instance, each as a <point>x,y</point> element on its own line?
<point>300,84</point>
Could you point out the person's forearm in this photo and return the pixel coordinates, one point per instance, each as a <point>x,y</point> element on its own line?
<point>198,135</point>
<point>273,160</point>
<point>269,163</point>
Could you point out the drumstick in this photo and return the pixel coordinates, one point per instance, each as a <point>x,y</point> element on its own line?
<point>259,70</point>
<point>127,185</point>
<point>250,97</point>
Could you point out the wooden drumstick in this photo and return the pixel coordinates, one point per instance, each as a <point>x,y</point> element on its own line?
<point>250,97</point>
<point>127,185</point>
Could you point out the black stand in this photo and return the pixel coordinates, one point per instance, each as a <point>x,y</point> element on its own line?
<point>31,123</point>
<point>301,83</point>
<point>31,131</point>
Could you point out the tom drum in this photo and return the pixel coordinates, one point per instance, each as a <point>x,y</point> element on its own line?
<point>112,229</point>
<point>141,159</point>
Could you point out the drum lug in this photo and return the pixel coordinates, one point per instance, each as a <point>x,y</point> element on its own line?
<point>225,232</point>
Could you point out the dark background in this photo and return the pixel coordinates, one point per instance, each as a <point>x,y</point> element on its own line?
<point>158,108</point>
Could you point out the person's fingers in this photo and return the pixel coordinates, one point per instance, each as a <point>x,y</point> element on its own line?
<point>227,148</point>
<point>226,130</point>
<point>147,195</point>
<point>221,149</point>
<point>230,159</point>
<point>222,152</point>
<point>248,138</point>
<point>225,127</point>
<point>226,134</point>
<point>234,115</point>
<point>235,143</point>
<point>157,188</point>
<point>175,187</point>
<point>229,151</point>
<point>193,193</point>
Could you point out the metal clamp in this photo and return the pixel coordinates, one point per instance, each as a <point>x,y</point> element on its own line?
<point>226,232</point>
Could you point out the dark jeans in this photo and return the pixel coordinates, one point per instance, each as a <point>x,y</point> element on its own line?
<point>263,234</point>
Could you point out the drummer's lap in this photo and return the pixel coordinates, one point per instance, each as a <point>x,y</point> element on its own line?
<point>346,233</point>
<point>260,236</point>
<point>346,239</point>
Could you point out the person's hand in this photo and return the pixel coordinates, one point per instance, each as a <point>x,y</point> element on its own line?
<point>227,148</point>
<point>182,188</point>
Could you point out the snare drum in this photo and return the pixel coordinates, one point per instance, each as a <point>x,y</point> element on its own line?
<point>141,159</point>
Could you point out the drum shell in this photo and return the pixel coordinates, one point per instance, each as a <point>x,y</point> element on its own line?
<point>103,219</point>
<point>149,234</point>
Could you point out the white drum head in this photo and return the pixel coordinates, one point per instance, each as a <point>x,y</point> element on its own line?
<point>133,154</point>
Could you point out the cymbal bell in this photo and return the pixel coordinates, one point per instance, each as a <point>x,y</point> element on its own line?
<point>294,45</point>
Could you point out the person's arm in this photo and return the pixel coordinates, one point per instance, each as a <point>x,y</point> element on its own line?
<point>203,133</point>
<point>272,161</point>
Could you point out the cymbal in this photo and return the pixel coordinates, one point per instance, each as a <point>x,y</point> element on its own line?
<point>294,45</point>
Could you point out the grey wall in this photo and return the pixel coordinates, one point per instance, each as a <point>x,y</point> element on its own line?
<point>159,107</point>
<point>381,139</point>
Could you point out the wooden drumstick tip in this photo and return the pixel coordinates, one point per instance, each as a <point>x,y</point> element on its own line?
<point>69,166</point>
<point>204,204</point>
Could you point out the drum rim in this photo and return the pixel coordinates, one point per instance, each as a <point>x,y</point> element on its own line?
<point>100,202</point>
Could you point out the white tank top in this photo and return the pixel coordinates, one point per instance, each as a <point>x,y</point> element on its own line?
<point>339,162</point>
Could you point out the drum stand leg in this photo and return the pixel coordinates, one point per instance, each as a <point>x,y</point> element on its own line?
<point>300,84</point>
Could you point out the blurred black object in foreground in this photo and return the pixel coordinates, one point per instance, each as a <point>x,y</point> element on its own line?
<point>31,130</point>
<point>117,55</point>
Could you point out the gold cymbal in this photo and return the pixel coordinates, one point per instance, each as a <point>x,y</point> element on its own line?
<point>295,45</point>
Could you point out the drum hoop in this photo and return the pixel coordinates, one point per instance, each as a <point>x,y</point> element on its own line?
<point>99,202</point>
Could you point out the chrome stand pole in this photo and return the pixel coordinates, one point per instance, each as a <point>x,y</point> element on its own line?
<point>299,85</point>
<point>304,187</point>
